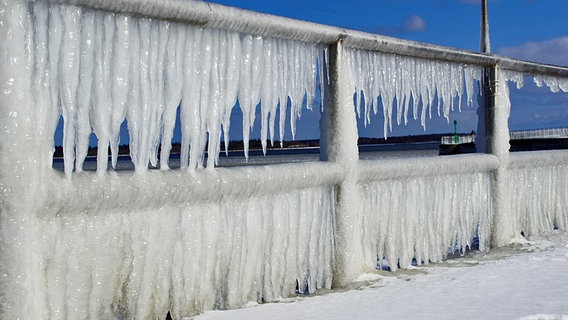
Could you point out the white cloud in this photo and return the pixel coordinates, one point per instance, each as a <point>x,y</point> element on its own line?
<point>553,51</point>
<point>411,24</point>
<point>414,23</point>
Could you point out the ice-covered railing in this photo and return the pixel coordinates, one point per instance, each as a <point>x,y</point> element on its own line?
<point>415,211</point>
<point>188,240</point>
<point>408,83</point>
<point>116,67</point>
<point>539,201</point>
<point>98,69</point>
<point>207,70</point>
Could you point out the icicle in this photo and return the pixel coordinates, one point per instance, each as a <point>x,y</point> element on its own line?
<point>145,107</point>
<point>469,77</point>
<point>69,80</point>
<point>197,149</point>
<point>159,41</point>
<point>55,40</point>
<point>85,89</point>
<point>185,106</point>
<point>294,86</point>
<point>216,99</point>
<point>120,81</point>
<point>250,85</point>
<point>232,82</point>
<point>173,85</point>
<point>553,83</point>
<point>190,117</point>
<point>283,72</point>
<point>48,111</point>
<point>101,113</point>
<point>268,97</point>
<point>133,110</point>
<point>514,76</point>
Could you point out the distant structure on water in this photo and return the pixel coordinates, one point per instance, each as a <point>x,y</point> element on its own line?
<point>520,140</point>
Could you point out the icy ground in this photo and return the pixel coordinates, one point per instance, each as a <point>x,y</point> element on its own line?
<point>523,281</point>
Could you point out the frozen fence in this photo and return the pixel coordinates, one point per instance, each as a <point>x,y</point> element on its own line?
<point>138,244</point>
<point>538,182</point>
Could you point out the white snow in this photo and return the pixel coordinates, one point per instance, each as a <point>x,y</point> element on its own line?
<point>524,281</point>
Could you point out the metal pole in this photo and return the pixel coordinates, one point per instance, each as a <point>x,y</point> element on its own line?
<point>494,129</point>
<point>485,45</point>
<point>339,144</point>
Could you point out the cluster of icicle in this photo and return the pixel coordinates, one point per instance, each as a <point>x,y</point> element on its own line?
<point>554,83</point>
<point>539,201</point>
<point>97,69</point>
<point>408,82</point>
<point>420,218</point>
<point>184,259</point>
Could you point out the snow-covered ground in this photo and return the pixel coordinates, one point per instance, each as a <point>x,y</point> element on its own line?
<point>523,281</point>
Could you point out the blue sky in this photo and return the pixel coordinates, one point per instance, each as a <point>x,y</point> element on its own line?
<point>535,30</point>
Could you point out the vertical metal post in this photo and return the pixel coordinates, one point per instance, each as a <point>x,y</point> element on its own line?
<point>339,144</point>
<point>493,138</point>
<point>484,103</point>
<point>339,124</point>
<point>485,45</point>
<point>497,138</point>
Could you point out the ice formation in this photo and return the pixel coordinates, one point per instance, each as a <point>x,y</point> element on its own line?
<point>141,262</point>
<point>408,215</point>
<point>124,245</point>
<point>97,69</point>
<point>554,83</point>
<point>537,184</point>
<point>405,83</point>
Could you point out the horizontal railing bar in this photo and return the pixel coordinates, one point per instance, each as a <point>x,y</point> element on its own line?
<point>214,15</point>
<point>383,169</point>
<point>131,191</point>
<point>538,159</point>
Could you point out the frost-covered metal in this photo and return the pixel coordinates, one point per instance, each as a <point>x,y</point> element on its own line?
<point>128,245</point>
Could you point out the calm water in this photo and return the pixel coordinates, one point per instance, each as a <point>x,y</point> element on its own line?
<point>276,156</point>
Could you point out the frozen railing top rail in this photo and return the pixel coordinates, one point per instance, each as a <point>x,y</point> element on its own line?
<point>207,14</point>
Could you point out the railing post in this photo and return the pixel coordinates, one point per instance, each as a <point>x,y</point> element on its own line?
<point>339,144</point>
<point>497,109</point>
<point>493,138</point>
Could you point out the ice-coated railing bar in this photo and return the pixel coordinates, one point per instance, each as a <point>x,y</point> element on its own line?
<point>157,188</point>
<point>373,170</point>
<point>538,159</point>
<point>214,15</point>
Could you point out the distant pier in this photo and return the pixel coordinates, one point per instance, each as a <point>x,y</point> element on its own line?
<point>521,140</point>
